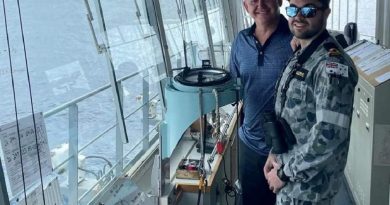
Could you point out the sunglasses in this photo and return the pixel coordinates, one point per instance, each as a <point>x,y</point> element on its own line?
<point>306,11</point>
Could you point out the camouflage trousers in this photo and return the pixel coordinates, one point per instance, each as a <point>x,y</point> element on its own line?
<point>282,199</point>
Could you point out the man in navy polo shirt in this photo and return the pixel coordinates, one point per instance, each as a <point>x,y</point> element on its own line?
<point>258,55</point>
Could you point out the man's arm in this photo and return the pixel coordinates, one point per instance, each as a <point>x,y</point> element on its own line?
<point>327,145</point>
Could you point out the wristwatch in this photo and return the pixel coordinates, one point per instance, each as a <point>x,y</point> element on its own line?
<point>282,176</point>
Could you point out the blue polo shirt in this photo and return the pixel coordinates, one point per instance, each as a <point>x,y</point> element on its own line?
<point>259,67</point>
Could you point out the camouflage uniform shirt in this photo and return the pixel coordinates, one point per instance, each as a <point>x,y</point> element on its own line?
<point>318,109</point>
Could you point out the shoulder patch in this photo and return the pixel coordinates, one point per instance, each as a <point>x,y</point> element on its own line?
<point>332,49</point>
<point>333,52</point>
<point>336,69</point>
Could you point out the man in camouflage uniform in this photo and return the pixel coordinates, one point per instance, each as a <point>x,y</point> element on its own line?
<point>314,97</point>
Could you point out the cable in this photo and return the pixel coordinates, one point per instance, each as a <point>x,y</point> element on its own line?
<point>100,157</point>
<point>218,118</point>
<point>226,198</point>
<point>90,172</point>
<point>15,104</point>
<point>31,101</point>
<point>199,195</point>
<point>229,189</point>
<point>202,184</point>
<point>238,121</point>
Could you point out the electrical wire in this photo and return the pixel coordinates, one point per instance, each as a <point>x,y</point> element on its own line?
<point>199,195</point>
<point>15,103</point>
<point>100,172</point>
<point>97,176</point>
<point>99,157</point>
<point>31,100</point>
<point>224,170</point>
<point>238,121</point>
<point>229,189</point>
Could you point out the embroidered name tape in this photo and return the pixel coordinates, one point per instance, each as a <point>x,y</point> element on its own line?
<point>300,74</point>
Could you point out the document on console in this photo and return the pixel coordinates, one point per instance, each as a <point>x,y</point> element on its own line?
<point>22,137</point>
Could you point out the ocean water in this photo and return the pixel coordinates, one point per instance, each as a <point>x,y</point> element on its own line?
<point>64,64</point>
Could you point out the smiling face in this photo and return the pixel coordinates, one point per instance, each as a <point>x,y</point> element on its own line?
<point>307,28</point>
<point>263,11</point>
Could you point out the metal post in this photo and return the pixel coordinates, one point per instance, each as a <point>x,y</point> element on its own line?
<point>333,13</point>
<point>145,110</point>
<point>228,20</point>
<point>339,26</point>
<point>379,22</point>
<point>347,11</point>
<point>237,14</point>
<point>356,10</point>
<point>173,43</point>
<point>386,24</point>
<point>73,153</point>
<point>155,20</point>
<point>114,86</point>
<point>118,139</point>
<point>208,31</point>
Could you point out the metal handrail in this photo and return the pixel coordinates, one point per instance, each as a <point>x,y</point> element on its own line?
<point>101,135</point>
<point>119,162</point>
<point>120,159</point>
<point>108,129</point>
<point>90,94</point>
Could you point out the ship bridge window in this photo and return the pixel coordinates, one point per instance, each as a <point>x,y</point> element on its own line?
<point>92,71</point>
<point>81,61</point>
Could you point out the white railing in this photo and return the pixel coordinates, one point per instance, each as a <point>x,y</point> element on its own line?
<point>119,167</point>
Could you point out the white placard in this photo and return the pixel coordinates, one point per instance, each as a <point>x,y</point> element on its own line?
<point>10,140</point>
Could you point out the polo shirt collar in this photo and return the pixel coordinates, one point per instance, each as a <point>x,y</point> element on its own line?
<point>282,26</point>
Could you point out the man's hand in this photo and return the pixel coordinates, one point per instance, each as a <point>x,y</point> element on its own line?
<point>269,164</point>
<point>275,184</point>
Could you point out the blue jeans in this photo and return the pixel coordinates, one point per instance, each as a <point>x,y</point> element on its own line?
<point>255,189</point>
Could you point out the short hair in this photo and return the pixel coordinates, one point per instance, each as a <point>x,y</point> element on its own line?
<point>323,2</point>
